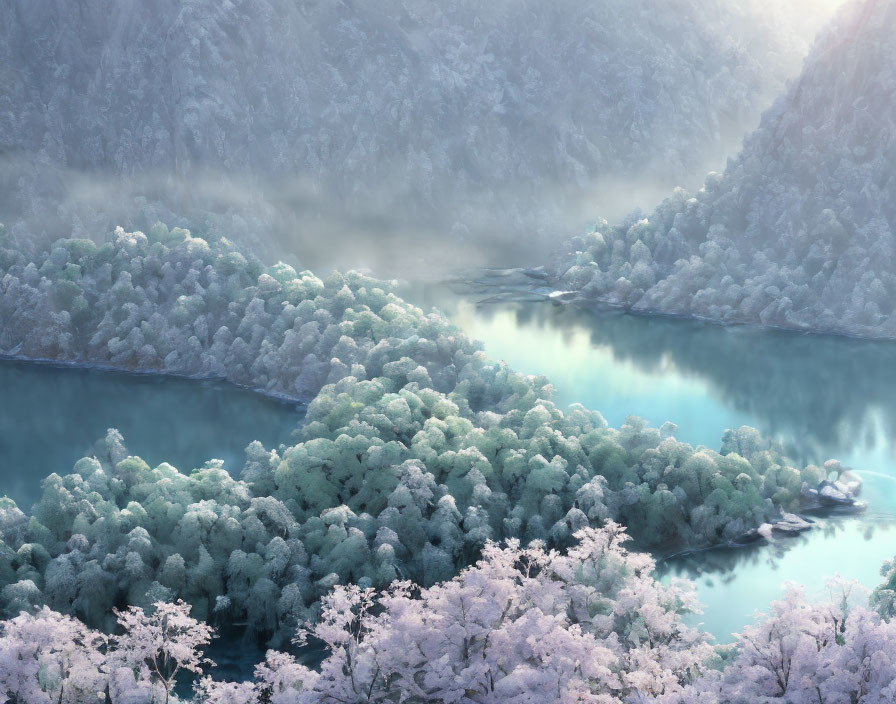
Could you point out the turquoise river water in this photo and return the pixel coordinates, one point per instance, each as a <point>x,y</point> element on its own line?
<point>821,397</point>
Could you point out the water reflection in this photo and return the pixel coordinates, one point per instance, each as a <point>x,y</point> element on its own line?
<point>733,584</point>
<point>50,417</point>
<point>820,396</point>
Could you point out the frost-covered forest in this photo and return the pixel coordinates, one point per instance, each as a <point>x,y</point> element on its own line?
<point>279,122</point>
<point>415,450</point>
<point>798,230</point>
<point>416,453</point>
<point>522,625</point>
<point>438,528</point>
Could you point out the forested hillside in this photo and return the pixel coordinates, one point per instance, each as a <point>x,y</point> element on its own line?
<point>799,230</point>
<point>286,123</point>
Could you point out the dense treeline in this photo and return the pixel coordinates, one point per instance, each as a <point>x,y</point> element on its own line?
<point>415,451</point>
<point>522,625</point>
<point>799,230</point>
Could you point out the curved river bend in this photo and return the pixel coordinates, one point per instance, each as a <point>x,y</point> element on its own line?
<point>821,397</point>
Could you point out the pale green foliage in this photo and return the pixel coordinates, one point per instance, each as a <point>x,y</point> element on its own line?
<point>416,449</point>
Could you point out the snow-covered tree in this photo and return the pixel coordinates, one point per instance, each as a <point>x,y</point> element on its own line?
<point>415,451</point>
<point>49,658</point>
<point>805,653</point>
<point>155,647</point>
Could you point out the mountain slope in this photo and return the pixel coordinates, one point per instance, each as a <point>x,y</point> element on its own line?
<point>498,121</point>
<point>798,231</point>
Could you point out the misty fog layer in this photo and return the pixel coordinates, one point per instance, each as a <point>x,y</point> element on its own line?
<point>799,230</point>
<point>294,126</point>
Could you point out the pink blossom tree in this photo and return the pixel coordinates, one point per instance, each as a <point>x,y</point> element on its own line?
<point>47,657</point>
<point>834,652</point>
<point>522,625</point>
<point>155,647</point>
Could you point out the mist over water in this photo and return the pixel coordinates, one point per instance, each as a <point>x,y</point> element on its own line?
<point>382,230</point>
<point>290,219</point>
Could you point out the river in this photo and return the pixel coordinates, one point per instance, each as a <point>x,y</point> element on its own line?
<point>820,397</point>
<point>51,416</point>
